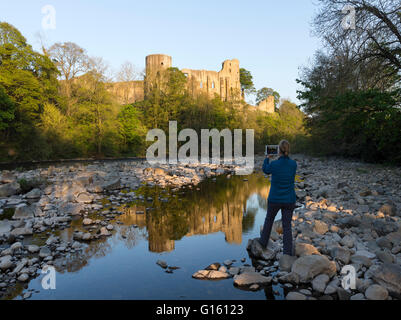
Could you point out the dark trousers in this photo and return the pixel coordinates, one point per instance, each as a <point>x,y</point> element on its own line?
<point>287,210</point>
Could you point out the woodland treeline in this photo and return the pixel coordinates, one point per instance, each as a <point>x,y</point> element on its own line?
<point>55,105</point>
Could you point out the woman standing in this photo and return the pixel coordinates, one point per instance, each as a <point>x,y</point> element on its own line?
<point>282,195</point>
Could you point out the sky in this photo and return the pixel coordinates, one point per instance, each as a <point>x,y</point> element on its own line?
<point>272,39</point>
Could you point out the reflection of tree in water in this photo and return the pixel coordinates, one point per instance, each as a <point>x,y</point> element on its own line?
<point>217,207</point>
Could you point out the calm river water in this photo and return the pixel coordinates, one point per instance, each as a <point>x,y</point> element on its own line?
<point>188,228</point>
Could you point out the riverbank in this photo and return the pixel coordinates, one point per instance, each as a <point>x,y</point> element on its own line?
<point>351,216</point>
<point>346,216</point>
<point>38,203</point>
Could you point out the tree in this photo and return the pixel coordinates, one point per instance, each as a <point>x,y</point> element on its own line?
<point>246,80</point>
<point>131,129</point>
<point>7,110</point>
<point>264,93</point>
<point>376,33</point>
<point>72,61</point>
<point>29,80</point>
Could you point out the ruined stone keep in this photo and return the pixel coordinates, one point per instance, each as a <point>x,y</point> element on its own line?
<point>225,83</point>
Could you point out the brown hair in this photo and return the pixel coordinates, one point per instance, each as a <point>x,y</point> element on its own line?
<point>284,147</point>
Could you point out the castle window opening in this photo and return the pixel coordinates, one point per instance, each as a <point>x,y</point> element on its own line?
<point>213,85</point>
<point>201,84</point>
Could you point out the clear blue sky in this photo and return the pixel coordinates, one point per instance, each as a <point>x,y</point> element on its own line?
<point>271,38</point>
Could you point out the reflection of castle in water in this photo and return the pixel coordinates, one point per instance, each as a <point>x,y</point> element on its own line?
<point>207,214</point>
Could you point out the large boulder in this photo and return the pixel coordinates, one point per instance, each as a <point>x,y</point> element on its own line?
<point>6,263</point>
<point>23,212</point>
<point>9,189</point>
<point>305,249</point>
<point>307,268</point>
<point>389,277</point>
<point>258,252</point>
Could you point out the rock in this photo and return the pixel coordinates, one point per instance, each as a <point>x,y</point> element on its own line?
<point>389,277</point>
<point>9,189</point>
<point>228,263</point>
<point>233,271</point>
<point>258,252</point>
<point>343,294</point>
<point>295,296</point>
<point>33,248</point>
<point>23,277</point>
<point>388,209</point>
<point>6,263</point>
<point>44,252</point>
<point>308,267</point>
<point>361,260</point>
<point>305,249</point>
<point>376,292</point>
<point>210,275</point>
<point>7,177</point>
<point>5,227</point>
<point>16,246</point>
<point>250,278</point>
<point>23,231</point>
<point>320,227</point>
<point>348,222</point>
<point>347,241</point>
<point>34,194</point>
<point>358,296</point>
<point>213,266</point>
<point>286,262</point>
<point>385,257</point>
<point>341,254</point>
<point>254,287</point>
<point>384,227</point>
<point>87,222</point>
<point>23,212</point>
<point>112,184</point>
<point>320,282</point>
<point>109,227</point>
<point>70,209</point>
<point>104,232</point>
<point>162,264</point>
<point>365,253</point>
<point>84,198</point>
<point>384,242</point>
<point>20,265</point>
<point>87,236</point>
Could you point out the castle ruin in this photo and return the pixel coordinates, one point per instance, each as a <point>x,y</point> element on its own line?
<point>224,83</point>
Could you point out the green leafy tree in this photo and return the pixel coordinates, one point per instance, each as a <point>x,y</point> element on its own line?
<point>246,80</point>
<point>7,109</point>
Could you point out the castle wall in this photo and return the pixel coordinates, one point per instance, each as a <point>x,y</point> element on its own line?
<point>224,83</point>
<point>128,92</point>
<point>267,105</point>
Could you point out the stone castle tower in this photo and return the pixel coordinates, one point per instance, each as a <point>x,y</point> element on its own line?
<point>225,83</point>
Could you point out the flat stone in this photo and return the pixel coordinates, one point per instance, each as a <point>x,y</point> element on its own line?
<point>295,296</point>
<point>210,275</point>
<point>23,212</point>
<point>389,277</point>
<point>376,292</point>
<point>251,278</point>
